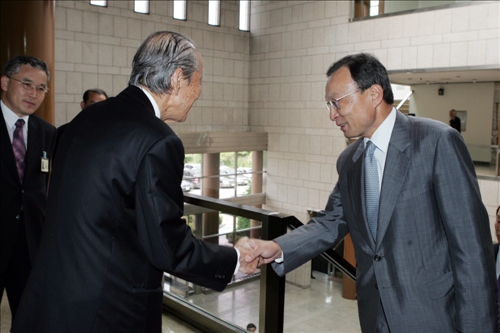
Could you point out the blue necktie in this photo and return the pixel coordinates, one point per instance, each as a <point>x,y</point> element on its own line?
<point>372,192</point>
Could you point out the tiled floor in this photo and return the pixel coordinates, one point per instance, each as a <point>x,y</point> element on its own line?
<point>318,309</point>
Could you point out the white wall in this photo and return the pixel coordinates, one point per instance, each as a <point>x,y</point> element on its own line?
<point>292,45</point>
<point>95,46</point>
<point>274,80</point>
<point>477,99</point>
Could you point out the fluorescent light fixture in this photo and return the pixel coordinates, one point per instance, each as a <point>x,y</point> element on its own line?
<point>180,9</point>
<point>245,15</point>
<point>101,3</point>
<point>214,12</point>
<point>141,6</point>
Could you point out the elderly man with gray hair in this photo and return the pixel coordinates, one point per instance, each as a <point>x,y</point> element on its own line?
<point>114,217</point>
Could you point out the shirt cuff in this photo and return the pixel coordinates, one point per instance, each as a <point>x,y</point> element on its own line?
<point>237,262</point>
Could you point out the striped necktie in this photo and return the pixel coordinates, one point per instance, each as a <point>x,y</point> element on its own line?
<point>19,148</point>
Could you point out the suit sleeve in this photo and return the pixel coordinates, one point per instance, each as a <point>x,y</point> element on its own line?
<point>164,235</point>
<point>318,235</point>
<point>467,228</point>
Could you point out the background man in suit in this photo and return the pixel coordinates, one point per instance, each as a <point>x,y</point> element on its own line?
<point>115,206</point>
<point>26,145</point>
<point>92,96</point>
<point>421,238</point>
<point>455,122</point>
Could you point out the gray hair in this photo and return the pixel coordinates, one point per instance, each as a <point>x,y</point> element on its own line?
<point>159,56</point>
<point>12,66</point>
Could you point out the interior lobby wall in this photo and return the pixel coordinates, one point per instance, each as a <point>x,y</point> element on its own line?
<point>95,47</point>
<point>292,45</point>
<point>477,99</point>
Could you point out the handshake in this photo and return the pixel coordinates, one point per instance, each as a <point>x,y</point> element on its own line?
<point>255,252</point>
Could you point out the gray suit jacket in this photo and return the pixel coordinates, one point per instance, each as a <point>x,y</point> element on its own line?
<point>432,266</point>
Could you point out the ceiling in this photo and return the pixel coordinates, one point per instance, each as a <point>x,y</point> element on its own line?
<point>443,76</point>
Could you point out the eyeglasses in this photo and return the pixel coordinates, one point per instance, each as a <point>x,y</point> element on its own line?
<point>334,103</point>
<point>30,86</point>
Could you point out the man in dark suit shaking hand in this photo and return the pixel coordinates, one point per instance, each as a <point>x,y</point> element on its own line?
<point>26,146</point>
<point>407,193</point>
<point>115,206</point>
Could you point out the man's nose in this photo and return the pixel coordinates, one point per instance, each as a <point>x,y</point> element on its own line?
<point>333,114</point>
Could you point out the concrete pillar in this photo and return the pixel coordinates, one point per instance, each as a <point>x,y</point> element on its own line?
<point>210,188</point>
<point>257,168</point>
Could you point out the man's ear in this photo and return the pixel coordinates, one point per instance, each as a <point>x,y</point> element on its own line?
<point>176,80</point>
<point>3,82</point>
<point>377,94</point>
<point>82,104</point>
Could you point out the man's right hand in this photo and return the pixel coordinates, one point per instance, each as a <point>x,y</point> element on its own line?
<point>268,251</point>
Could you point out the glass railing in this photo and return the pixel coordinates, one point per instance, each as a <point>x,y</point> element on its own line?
<point>258,298</point>
<point>485,158</point>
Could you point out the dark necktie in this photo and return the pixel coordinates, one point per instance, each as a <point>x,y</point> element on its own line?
<point>19,148</point>
<point>371,188</point>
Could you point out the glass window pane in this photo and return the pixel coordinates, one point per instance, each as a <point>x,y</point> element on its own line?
<point>141,6</point>
<point>245,15</point>
<point>101,3</point>
<point>180,9</point>
<point>214,12</point>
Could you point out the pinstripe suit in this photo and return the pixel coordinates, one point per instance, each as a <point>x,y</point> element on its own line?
<point>22,206</point>
<point>431,267</point>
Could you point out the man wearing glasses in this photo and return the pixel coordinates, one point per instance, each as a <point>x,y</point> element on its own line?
<point>420,232</point>
<point>26,146</point>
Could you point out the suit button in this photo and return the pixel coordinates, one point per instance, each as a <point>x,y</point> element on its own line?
<point>22,191</point>
<point>377,258</point>
<point>18,217</point>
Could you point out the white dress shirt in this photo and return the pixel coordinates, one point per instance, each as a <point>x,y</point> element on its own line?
<point>10,121</point>
<point>381,138</point>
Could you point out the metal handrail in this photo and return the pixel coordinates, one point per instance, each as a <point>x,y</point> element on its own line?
<point>272,286</point>
<point>404,99</point>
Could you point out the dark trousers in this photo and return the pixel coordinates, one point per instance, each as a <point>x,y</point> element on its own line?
<point>16,275</point>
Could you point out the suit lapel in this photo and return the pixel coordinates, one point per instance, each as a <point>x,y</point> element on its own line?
<point>395,172</point>
<point>356,193</point>
<point>6,150</point>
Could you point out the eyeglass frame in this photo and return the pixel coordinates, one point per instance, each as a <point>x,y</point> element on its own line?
<point>30,86</point>
<point>334,102</point>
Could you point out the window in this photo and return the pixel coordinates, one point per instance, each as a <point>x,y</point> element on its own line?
<point>214,12</point>
<point>141,6</point>
<point>180,9</point>
<point>245,15</point>
<point>374,8</point>
<point>101,3</point>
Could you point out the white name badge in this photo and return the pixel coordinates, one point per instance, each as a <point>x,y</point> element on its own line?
<point>45,162</point>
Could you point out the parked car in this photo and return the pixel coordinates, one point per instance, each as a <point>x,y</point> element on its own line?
<point>226,182</point>
<point>186,185</point>
<point>228,172</point>
<point>193,176</point>
<point>193,166</point>
<point>245,170</point>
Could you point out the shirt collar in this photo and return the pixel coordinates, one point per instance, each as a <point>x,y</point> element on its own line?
<point>152,100</point>
<point>10,117</point>
<point>383,133</point>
